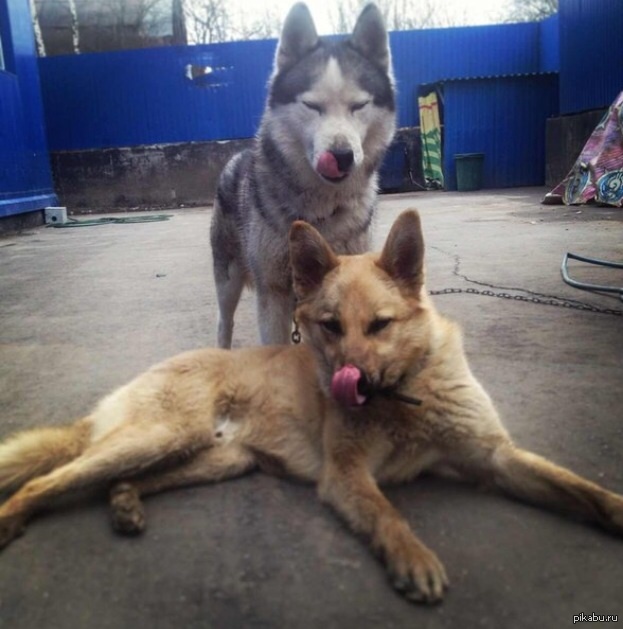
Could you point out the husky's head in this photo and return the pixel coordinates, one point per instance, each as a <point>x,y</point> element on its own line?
<point>332,102</point>
<point>367,317</point>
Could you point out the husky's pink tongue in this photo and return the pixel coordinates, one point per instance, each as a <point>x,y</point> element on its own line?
<point>327,166</point>
<point>344,386</point>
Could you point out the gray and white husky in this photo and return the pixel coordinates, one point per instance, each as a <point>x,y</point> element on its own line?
<point>329,119</point>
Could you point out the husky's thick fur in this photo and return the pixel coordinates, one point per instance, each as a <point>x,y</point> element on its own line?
<point>328,121</point>
<point>333,411</point>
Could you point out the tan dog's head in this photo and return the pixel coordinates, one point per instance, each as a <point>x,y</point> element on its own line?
<point>368,311</point>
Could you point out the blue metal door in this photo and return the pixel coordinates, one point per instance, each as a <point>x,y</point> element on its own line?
<point>25,175</point>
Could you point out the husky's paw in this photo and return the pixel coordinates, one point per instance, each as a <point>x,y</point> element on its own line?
<point>417,573</point>
<point>10,528</point>
<point>127,513</point>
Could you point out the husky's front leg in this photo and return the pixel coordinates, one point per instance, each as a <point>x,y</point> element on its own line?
<point>413,569</point>
<point>534,479</point>
<point>274,314</point>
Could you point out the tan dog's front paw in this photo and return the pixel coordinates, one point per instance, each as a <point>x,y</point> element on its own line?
<point>417,573</point>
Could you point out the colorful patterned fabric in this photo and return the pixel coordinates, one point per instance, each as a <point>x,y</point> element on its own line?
<point>430,130</point>
<point>597,175</point>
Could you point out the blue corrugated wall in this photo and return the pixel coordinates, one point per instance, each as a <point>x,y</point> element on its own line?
<point>25,178</point>
<point>549,44</point>
<point>430,55</point>
<point>503,118</point>
<point>139,97</point>
<point>143,97</point>
<point>591,54</point>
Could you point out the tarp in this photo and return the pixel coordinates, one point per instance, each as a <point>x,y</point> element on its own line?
<point>430,129</point>
<point>597,175</point>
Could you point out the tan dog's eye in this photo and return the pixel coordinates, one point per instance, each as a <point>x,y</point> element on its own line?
<point>332,325</point>
<point>377,325</point>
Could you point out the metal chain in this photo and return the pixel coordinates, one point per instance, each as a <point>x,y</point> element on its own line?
<point>528,296</point>
<point>545,300</point>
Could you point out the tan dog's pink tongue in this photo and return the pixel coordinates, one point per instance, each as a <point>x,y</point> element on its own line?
<point>344,386</point>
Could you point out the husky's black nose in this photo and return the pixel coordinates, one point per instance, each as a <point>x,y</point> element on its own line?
<point>344,159</point>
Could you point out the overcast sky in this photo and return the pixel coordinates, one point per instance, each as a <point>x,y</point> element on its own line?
<point>475,11</point>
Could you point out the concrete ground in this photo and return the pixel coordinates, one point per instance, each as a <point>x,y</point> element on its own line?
<point>82,310</point>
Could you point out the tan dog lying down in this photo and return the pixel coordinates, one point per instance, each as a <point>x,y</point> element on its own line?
<point>380,391</point>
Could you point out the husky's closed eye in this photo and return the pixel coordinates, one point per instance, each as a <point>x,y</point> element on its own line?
<point>358,106</point>
<point>317,107</point>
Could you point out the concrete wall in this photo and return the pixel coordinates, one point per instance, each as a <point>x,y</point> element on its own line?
<point>169,175</point>
<point>185,174</point>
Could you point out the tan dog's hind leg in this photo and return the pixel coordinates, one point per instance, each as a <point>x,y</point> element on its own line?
<point>125,452</point>
<point>413,569</point>
<point>534,479</point>
<point>208,466</point>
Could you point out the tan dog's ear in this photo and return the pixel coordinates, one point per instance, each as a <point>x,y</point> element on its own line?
<point>311,258</point>
<point>402,257</point>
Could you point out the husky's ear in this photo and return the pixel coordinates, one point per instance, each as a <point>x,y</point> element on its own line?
<point>370,37</point>
<point>311,258</point>
<point>402,257</point>
<point>298,37</point>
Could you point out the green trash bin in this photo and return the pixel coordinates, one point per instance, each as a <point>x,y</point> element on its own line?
<point>469,171</point>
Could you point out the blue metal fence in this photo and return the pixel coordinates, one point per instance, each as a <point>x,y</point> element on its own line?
<point>427,56</point>
<point>549,44</point>
<point>25,177</point>
<point>144,96</point>
<point>591,54</point>
<point>503,118</point>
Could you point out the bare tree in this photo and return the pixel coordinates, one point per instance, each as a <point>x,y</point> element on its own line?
<point>75,31</point>
<point>263,26</point>
<point>529,10</point>
<point>37,29</point>
<point>210,21</point>
<point>399,15</point>
<point>129,23</point>
<point>67,26</point>
<point>342,14</point>
<point>207,21</point>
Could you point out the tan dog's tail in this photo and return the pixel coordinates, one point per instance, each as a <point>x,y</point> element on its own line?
<point>31,453</point>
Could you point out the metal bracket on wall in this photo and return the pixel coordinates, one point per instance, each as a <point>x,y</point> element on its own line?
<point>583,285</point>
